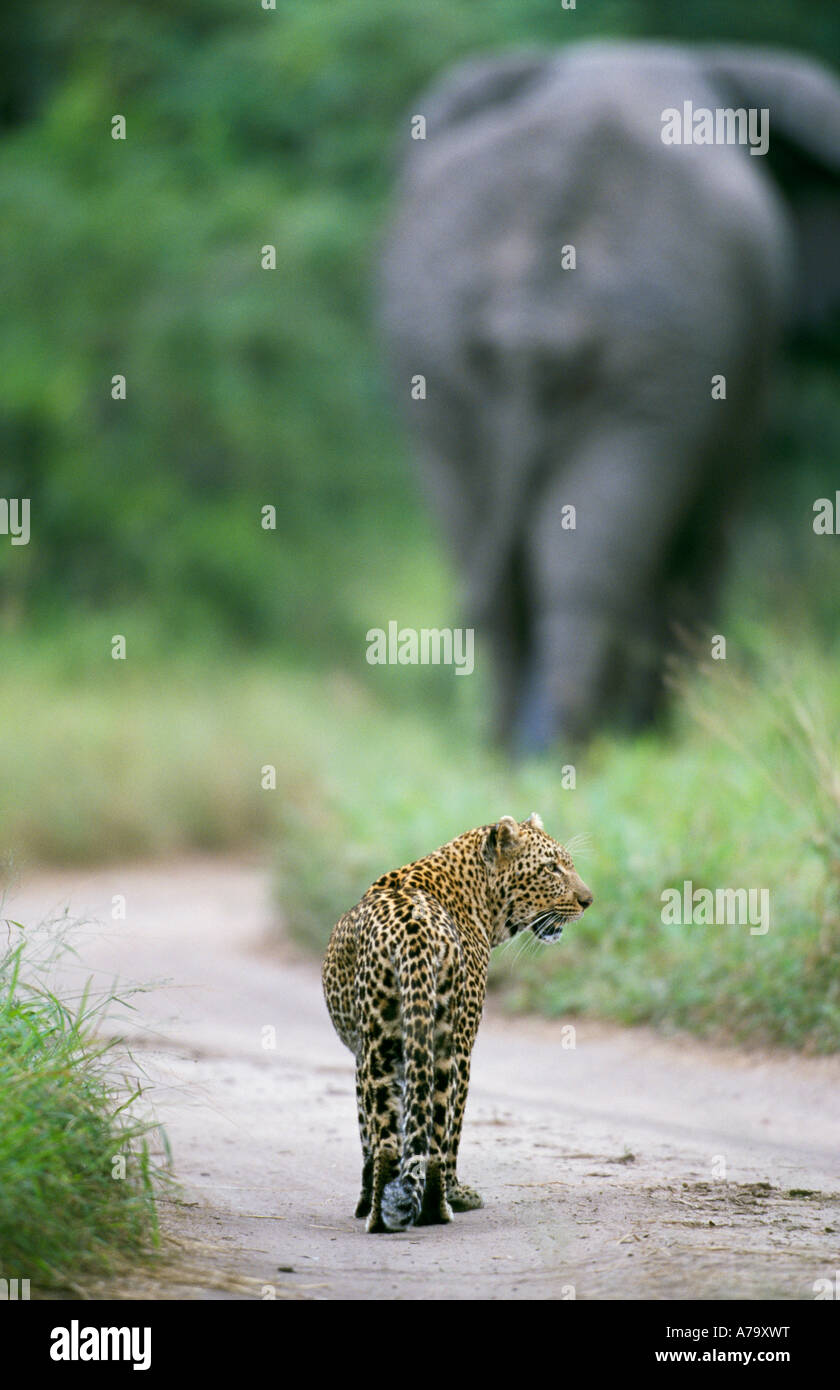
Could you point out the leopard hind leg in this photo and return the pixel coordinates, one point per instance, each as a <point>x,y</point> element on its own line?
<point>436,1209</point>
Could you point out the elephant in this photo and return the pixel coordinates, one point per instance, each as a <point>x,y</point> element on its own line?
<point>590,314</point>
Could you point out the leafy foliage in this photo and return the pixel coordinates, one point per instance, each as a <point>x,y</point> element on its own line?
<point>245,386</point>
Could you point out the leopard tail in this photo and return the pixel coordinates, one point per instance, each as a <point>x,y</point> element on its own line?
<point>402,1198</point>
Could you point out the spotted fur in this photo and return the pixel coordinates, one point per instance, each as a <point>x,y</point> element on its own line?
<point>404,978</point>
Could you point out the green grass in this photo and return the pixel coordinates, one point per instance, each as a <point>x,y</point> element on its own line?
<point>101,760</point>
<point>752,802</point>
<point>67,1211</point>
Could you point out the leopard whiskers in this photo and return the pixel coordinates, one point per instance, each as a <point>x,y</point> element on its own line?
<point>582,842</point>
<point>520,949</point>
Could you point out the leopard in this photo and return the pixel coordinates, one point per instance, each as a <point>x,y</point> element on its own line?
<point>405,977</point>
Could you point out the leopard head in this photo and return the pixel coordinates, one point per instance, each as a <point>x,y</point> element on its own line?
<point>532,883</point>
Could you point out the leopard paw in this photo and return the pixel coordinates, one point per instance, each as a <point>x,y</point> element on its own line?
<point>462,1198</point>
<point>440,1215</point>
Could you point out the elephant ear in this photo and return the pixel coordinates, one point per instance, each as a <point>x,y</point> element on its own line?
<point>802,96</point>
<point>482,84</point>
<point>803,99</point>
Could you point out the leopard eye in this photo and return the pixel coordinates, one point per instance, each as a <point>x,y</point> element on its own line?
<point>558,869</point>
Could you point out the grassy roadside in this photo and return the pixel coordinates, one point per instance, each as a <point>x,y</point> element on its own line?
<point>744,792</point>
<point>740,792</point>
<point>79,1173</point>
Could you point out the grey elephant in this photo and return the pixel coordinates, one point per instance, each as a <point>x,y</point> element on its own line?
<point>594,293</point>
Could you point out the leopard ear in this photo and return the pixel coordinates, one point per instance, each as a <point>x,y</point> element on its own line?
<point>535,821</point>
<point>501,841</point>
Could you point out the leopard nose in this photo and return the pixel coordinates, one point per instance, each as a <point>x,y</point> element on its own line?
<point>584,898</point>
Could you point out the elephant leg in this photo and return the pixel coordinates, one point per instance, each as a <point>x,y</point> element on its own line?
<point>455,484</point>
<point>596,588</point>
<point>508,629</point>
<point>701,548</point>
<point>444,433</point>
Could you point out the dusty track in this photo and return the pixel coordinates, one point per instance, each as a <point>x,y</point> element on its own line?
<point>599,1165</point>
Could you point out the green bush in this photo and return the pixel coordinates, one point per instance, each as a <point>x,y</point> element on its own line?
<point>64,1215</point>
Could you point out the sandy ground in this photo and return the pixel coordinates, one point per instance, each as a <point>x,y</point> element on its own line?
<point>627,1166</point>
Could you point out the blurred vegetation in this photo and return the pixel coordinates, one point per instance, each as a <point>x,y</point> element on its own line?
<point>244,386</point>
<point>745,792</point>
<point>249,387</point>
<point>742,791</point>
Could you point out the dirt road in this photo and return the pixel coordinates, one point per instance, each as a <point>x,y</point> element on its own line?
<point>626,1166</point>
